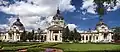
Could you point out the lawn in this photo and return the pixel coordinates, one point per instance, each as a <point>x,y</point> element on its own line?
<point>88,47</point>
<point>30,46</point>
<point>36,47</point>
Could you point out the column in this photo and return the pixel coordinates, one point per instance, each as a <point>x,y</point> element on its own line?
<point>14,36</point>
<point>88,37</point>
<point>48,36</point>
<point>51,35</point>
<point>84,38</point>
<point>7,36</point>
<point>43,37</point>
<point>110,37</point>
<point>92,38</point>
<point>98,37</point>
<point>19,37</point>
<point>95,39</point>
<point>59,36</point>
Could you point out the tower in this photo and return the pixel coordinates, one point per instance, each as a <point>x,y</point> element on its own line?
<point>58,19</point>
<point>101,26</point>
<point>17,25</point>
<point>15,31</point>
<point>56,28</point>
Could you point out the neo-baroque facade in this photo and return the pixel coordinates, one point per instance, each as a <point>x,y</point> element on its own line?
<point>53,33</point>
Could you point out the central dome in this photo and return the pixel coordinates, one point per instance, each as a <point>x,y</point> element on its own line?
<point>101,23</point>
<point>18,24</point>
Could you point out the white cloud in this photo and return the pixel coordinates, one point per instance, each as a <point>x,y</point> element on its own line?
<point>31,11</point>
<point>71,27</point>
<point>114,7</point>
<point>84,18</point>
<point>3,27</point>
<point>90,6</point>
<point>87,3</point>
<point>3,2</point>
<point>40,7</point>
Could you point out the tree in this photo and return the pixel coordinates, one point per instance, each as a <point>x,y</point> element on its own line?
<point>23,36</point>
<point>116,35</point>
<point>39,33</point>
<point>30,35</point>
<point>101,9</point>
<point>35,37</point>
<point>66,33</point>
<point>76,35</point>
<point>71,36</point>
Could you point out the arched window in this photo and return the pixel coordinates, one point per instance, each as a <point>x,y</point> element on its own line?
<point>56,37</point>
<point>90,38</point>
<point>86,37</point>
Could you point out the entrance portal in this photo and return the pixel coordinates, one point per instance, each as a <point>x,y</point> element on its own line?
<point>56,37</point>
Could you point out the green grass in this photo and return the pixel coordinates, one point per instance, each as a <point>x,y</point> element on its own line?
<point>88,47</point>
<point>64,46</point>
<point>30,46</point>
<point>16,44</point>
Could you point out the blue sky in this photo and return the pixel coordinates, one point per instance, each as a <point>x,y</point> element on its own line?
<point>83,21</point>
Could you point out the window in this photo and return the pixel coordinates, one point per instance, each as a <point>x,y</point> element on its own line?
<point>82,37</point>
<point>56,37</point>
<point>41,37</point>
<point>55,31</point>
<point>17,37</point>
<point>97,37</point>
<point>105,35</point>
<point>56,22</point>
<point>45,38</point>
<point>5,37</point>
<point>103,27</point>
<point>86,37</point>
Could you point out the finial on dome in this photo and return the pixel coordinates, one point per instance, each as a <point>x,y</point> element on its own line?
<point>58,11</point>
<point>18,19</point>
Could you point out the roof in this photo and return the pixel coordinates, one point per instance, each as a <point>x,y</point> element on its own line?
<point>55,27</point>
<point>18,24</point>
<point>101,23</point>
<point>58,16</point>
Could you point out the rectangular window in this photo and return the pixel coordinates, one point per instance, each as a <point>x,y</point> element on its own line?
<point>17,37</point>
<point>56,36</point>
<point>55,31</point>
<point>41,37</point>
<point>45,38</point>
<point>5,37</point>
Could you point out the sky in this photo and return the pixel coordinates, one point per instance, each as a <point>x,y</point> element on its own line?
<point>38,13</point>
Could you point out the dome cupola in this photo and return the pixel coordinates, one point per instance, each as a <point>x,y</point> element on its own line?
<point>58,15</point>
<point>18,25</point>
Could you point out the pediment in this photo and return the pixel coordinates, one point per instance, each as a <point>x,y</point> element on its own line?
<point>55,27</point>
